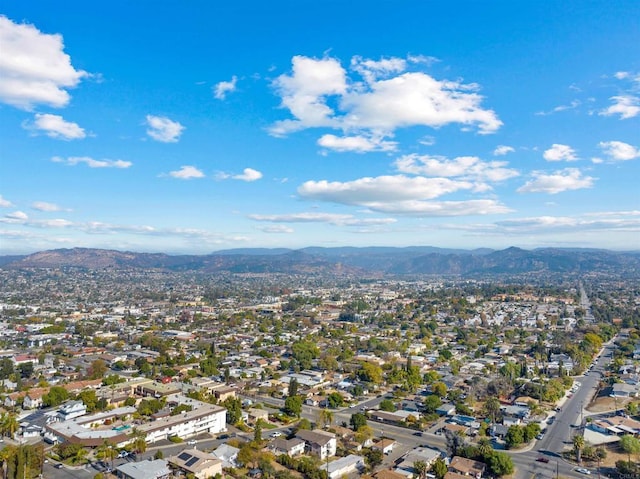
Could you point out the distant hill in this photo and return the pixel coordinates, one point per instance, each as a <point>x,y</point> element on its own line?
<point>418,260</point>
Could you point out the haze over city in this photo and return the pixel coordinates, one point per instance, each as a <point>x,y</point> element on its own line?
<point>190,127</point>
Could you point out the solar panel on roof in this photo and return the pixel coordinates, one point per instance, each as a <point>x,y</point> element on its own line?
<point>191,462</point>
<point>184,456</point>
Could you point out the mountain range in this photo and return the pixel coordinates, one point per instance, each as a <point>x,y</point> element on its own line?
<point>416,260</point>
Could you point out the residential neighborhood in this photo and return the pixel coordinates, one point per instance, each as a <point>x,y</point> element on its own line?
<point>330,379</point>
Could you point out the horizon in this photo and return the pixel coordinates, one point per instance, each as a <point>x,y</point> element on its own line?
<point>195,128</point>
<point>285,249</point>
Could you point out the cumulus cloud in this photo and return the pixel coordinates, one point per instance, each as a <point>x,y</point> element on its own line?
<point>44,206</point>
<point>54,126</point>
<point>163,129</point>
<point>221,89</point>
<point>248,174</point>
<point>186,173</point>
<point>559,152</point>
<point>465,167</point>
<point>91,163</point>
<point>358,144</point>
<point>4,203</point>
<point>502,150</point>
<point>320,93</point>
<point>33,67</point>
<point>619,151</point>
<point>627,106</point>
<point>331,218</point>
<point>557,182</point>
<point>400,194</point>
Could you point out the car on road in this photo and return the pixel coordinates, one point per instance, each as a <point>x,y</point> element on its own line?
<point>192,442</point>
<point>551,419</point>
<point>542,459</point>
<point>275,434</point>
<point>58,466</point>
<point>583,470</point>
<point>540,436</point>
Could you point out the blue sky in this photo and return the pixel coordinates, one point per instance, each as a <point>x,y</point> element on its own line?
<point>190,127</point>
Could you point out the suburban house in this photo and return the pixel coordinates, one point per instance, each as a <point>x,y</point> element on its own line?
<point>290,447</point>
<point>345,465</point>
<point>319,443</point>
<point>157,469</point>
<point>199,463</point>
<point>467,467</point>
<point>72,409</point>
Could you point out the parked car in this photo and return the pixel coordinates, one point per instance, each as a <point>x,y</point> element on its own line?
<point>192,442</point>
<point>275,434</point>
<point>542,459</point>
<point>583,470</point>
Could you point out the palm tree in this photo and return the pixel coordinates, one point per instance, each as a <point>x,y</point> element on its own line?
<point>325,417</point>
<point>139,442</point>
<point>107,452</point>
<point>9,424</point>
<point>578,445</point>
<point>5,454</point>
<point>484,446</point>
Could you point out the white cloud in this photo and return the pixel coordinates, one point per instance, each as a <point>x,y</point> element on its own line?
<point>571,106</point>
<point>557,182</point>
<point>277,229</point>
<point>331,218</point>
<point>221,89</point>
<point>91,163</point>
<point>619,151</point>
<point>318,93</point>
<point>502,150</point>
<point>187,173</point>
<point>400,195</point>
<point>44,206</point>
<point>359,144</point>
<point>15,217</point>
<point>465,167</point>
<point>248,174</point>
<point>559,152</point>
<point>627,106</point>
<point>57,127</point>
<point>619,221</point>
<point>4,203</point>
<point>364,191</point>
<point>163,129</point>
<point>33,67</point>
<point>621,75</point>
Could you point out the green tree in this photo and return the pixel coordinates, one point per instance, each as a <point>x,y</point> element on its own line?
<point>439,389</point>
<point>387,405</point>
<point>373,458</point>
<point>371,373</point>
<point>492,408</point>
<point>293,406</point>
<point>514,437</point>
<point>439,468</point>
<point>420,469</point>
<point>357,421</point>
<point>335,400</point>
<point>234,409</point>
<point>501,464</point>
<point>56,396</point>
<point>293,387</point>
<point>630,445</point>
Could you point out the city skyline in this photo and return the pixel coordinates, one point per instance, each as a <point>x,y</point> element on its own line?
<point>192,128</point>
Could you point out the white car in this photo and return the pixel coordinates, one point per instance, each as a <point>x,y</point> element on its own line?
<point>276,434</point>
<point>582,470</point>
<point>193,442</point>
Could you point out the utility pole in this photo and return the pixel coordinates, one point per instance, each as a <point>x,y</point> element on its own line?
<point>557,470</point>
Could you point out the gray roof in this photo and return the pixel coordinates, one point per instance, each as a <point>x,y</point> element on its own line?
<point>145,469</point>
